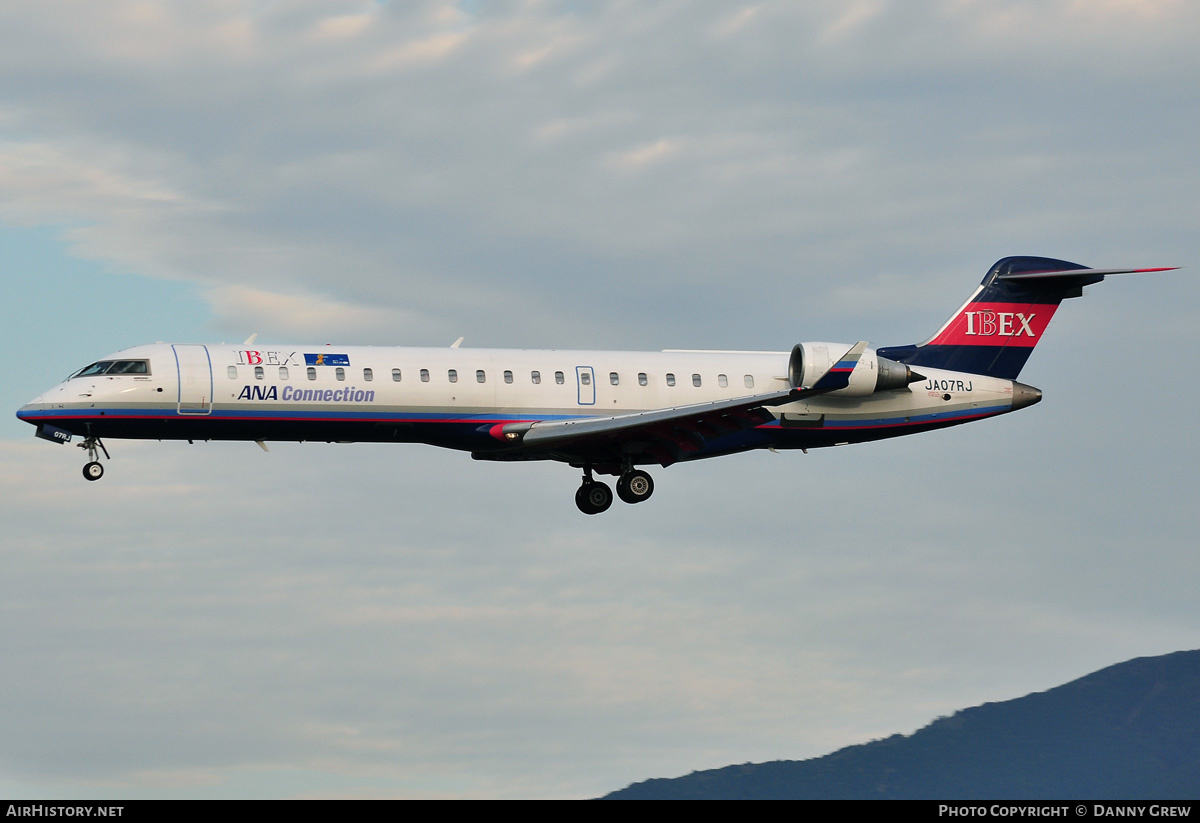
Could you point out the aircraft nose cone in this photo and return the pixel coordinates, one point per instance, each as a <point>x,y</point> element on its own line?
<point>1024,395</point>
<point>31,409</point>
<point>27,411</point>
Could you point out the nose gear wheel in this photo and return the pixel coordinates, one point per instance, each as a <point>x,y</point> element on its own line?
<point>94,469</point>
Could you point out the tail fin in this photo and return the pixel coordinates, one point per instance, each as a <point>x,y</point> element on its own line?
<point>996,329</point>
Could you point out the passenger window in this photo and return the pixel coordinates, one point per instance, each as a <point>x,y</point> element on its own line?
<point>696,380</point>
<point>536,377</point>
<point>312,373</point>
<point>339,373</point>
<point>585,377</point>
<point>558,378</point>
<point>670,379</point>
<point>395,375</point>
<point>258,372</point>
<point>368,375</point>
<point>452,375</point>
<point>749,381</point>
<point>614,378</point>
<point>424,375</point>
<point>642,379</point>
<point>283,373</point>
<point>722,381</point>
<point>507,376</point>
<point>232,372</point>
<point>480,377</point>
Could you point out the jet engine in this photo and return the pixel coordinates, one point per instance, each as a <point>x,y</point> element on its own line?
<point>872,374</point>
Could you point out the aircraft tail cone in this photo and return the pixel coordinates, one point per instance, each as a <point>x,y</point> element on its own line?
<point>1024,395</point>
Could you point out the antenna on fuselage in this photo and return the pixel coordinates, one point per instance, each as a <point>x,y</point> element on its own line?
<point>457,343</point>
<point>250,339</point>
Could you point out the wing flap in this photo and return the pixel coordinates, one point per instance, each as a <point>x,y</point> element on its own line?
<point>698,415</point>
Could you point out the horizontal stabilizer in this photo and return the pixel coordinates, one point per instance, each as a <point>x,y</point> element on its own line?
<point>1037,275</point>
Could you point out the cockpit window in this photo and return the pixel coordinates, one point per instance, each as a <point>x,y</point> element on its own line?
<point>130,367</point>
<point>115,367</point>
<point>95,368</point>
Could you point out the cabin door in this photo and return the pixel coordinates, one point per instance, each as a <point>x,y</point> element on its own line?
<point>194,368</point>
<point>585,378</point>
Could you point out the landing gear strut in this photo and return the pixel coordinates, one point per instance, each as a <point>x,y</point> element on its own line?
<point>94,469</point>
<point>593,496</point>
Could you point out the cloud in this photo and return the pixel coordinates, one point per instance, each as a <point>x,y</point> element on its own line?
<point>643,155</point>
<point>50,183</point>
<point>301,314</point>
<point>400,138</point>
<point>399,620</point>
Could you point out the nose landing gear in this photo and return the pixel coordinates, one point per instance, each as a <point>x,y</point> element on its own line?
<point>94,469</point>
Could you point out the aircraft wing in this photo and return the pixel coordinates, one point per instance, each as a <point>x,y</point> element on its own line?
<point>667,435</point>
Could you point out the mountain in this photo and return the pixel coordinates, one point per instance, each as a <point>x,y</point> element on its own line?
<point>1129,731</point>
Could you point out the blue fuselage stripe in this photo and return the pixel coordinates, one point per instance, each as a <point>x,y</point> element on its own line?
<point>97,415</point>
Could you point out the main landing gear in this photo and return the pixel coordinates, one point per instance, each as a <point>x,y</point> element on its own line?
<point>635,486</point>
<point>594,497</point>
<point>94,469</point>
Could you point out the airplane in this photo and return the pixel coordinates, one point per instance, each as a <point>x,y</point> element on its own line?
<point>604,412</point>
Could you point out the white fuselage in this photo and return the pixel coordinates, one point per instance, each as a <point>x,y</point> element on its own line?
<point>258,393</point>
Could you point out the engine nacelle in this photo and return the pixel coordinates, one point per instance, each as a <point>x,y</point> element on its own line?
<point>873,373</point>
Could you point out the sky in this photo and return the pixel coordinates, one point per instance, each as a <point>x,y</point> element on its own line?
<point>360,620</point>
